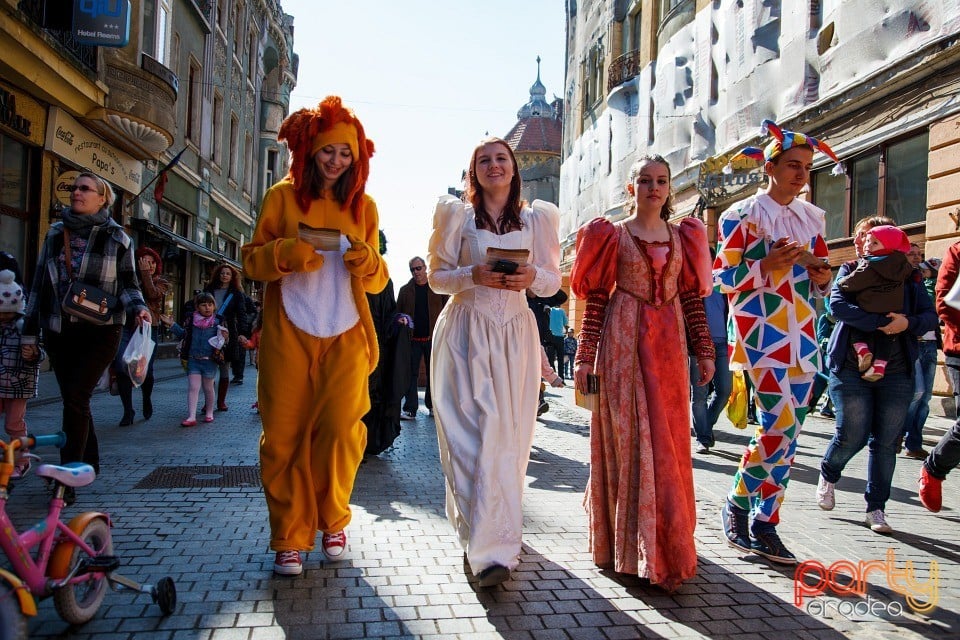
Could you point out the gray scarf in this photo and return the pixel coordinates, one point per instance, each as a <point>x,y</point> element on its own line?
<point>80,224</point>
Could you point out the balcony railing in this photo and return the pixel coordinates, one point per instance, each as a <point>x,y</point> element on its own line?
<point>84,54</point>
<point>622,69</point>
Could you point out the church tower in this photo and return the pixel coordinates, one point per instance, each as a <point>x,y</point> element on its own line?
<point>535,140</point>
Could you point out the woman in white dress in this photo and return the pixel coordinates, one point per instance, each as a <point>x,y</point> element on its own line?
<point>485,367</point>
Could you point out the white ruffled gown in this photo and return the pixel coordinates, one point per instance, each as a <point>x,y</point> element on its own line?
<point>485,376</point>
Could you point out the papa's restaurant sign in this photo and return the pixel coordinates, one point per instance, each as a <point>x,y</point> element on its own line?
<point>72,141</point>
<point>716,186</point>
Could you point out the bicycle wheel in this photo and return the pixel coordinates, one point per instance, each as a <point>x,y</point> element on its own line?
<point>13,624</point>
<point>77,603</point>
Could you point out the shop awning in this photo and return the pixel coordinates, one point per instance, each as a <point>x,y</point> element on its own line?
<point>208,254</point>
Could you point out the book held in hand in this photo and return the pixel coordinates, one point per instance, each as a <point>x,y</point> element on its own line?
<point>320,238</point>
<point>507,260</point>
<point>591,399</point>
<point>807,259</point>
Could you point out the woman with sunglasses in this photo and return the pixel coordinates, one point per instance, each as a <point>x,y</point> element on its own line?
<point>101,255</point>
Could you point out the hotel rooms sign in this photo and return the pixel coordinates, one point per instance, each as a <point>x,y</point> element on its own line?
<point>102,23</point>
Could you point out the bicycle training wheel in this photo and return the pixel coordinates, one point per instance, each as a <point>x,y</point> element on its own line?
<point>78,603</point>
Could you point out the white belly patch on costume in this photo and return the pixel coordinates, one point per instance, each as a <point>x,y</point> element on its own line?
<point>321,302</point>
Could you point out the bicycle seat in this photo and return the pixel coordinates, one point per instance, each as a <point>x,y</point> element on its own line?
<point>72,474</point>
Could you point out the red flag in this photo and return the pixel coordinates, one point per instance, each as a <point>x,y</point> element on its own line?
<point>160,186</point>
<point>162,178</point>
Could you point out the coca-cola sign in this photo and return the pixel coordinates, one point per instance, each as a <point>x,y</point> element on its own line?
<point>61,188</point>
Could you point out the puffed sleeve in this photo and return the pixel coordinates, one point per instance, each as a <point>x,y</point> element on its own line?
<point>546,248</point>
<point>696,273</point>
<point>595,267</point>
<point>444,272</point>
<point>592,279</point>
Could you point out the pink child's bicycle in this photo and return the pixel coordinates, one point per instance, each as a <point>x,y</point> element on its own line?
<point>74,561</point>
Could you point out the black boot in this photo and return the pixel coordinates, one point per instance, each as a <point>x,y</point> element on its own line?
<point>147,389</point>
<point>126,397</point>
<point>222,388</point>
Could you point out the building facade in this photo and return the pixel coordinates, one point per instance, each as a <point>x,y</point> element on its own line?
<point>210,79</point>
<point>691,80</point>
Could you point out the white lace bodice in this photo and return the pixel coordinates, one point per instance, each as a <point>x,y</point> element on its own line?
<point>456,245</point>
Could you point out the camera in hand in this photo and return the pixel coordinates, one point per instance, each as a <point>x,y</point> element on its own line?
<point>504,266</point>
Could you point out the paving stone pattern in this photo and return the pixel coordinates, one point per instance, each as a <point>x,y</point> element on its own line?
<point>406,576</point>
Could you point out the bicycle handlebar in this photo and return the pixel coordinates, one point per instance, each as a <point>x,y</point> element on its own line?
<point>58,440</point>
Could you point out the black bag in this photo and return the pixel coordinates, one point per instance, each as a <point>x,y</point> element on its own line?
<point>84,301</point>
<point>89,303</point>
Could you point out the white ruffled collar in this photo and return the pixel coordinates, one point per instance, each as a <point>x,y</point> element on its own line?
<point>799,220</point>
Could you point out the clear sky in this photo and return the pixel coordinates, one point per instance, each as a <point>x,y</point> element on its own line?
<point>428,79</point>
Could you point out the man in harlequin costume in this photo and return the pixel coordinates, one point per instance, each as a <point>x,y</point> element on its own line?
<point>771,264</point>
<point>317,344</point>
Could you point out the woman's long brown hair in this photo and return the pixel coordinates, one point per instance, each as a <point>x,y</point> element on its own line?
<point>510,220</point>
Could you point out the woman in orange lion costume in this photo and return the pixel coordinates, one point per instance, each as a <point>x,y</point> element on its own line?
<point>318,344</point>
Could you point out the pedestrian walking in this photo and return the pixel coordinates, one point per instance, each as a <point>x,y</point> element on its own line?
<point>418,302</point>
<point>871,412</point>
<point>200,355</point>
<point>226,286</point>
<point>707,401</point>
<point>485,370</point>
<point>315,247</point>
<point>569,353</point>
<point>946,455</point>
<point>824,329</point>
<point>19,375</point>
<point>643,280</point>
<point>388,382</point>
<point>558,329</point>
<point>925,371</point>
<point>154,289</point>
<point>762,242</point>
<point>87,247</point>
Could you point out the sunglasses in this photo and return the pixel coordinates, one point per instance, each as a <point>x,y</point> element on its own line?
<point>415,269</point>
<point>82,188</point>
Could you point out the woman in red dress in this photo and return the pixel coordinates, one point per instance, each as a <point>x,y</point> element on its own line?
<point>644,280</point>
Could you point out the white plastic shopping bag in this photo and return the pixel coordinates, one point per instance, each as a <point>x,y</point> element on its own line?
<point>136,357</point>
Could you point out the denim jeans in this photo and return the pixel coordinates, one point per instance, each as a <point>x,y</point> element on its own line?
<point>820,383</point>
<point>707,402</point>
<point>418,349</point>
<point>869,414</point>
<point>924,370</point>
<point>946,455</point>
<point>952,367</point>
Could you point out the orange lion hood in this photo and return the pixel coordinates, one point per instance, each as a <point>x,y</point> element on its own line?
<point>302,130</point>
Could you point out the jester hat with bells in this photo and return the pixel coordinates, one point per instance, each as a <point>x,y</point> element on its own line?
<point>308,130</point>
<point>783,139</point>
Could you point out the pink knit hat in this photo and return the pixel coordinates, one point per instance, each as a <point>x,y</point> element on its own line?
<point>892,239</point>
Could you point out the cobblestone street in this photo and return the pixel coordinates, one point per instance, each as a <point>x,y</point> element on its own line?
<point>406,576</point>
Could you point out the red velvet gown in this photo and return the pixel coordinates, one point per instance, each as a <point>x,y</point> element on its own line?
<point>640,498</point>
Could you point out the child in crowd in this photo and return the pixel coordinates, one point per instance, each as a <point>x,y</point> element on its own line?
<point>928,270</point>
<point>877,283</point>
<point>18,375</point>
<point>199,355</point>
